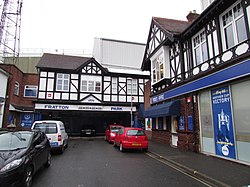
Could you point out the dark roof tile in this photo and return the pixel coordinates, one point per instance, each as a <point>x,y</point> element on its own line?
<point>56,61</point>
<point>171,25</point>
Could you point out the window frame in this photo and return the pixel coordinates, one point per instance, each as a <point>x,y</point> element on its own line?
<point>134,86</point>
<point>64,82</point>
<point>16,88</point>
<point>34,86</point>
<point>233,24</point>
<point>92,85</point>
<point>199,40</point>
<point>158,68</point>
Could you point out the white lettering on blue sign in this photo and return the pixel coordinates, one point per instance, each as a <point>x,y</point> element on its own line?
<point>57,107</point>
<point>116,108</point>
<point>158,98</point>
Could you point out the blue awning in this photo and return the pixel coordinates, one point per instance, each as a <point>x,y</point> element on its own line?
<point>166,109</point>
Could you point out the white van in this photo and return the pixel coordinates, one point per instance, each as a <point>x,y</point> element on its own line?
<point>55,132</point>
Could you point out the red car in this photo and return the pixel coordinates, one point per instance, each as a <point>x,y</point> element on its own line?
<point>110,132</point>
<point>131,138</point>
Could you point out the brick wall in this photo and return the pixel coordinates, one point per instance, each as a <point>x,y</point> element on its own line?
<point>147,91</point>
<point>189,140</point>
<point>161,136</point>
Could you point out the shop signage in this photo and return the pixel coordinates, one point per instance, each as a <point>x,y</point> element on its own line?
<point>223,124</point>
<point>27,120</point>
<point>181,123</point>
<point>83,107</point>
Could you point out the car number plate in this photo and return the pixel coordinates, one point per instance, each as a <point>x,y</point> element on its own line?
<point>53,143</point>
<point>136,144</point>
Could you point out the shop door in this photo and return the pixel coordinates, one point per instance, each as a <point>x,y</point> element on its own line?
<point>174,127</point>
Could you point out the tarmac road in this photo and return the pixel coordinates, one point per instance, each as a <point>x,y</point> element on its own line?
<point>95,163</point>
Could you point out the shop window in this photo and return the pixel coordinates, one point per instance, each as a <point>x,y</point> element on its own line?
<point>16,89</point>
<point>30,91</point>
<point>168,123</point>
<point>233,27</point>
<point>153,123</point>
<point>62,82</point>
<point>206,121</point>
<point>241,111</point>
<point>160,123</point>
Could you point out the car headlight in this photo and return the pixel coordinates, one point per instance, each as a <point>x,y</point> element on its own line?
<point>11,165</point>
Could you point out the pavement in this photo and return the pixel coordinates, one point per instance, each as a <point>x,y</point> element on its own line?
<point>213,170</point>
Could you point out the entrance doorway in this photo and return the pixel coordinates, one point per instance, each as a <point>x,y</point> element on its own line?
<point>174,126</point>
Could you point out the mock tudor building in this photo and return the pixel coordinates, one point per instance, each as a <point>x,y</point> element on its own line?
<point>84,93</point>
<point>200,80</point>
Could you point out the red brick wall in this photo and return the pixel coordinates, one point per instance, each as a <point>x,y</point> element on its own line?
<point>161,136</point>
<point>189,140</point>
<point>16,75</point>
<point>147,92</point>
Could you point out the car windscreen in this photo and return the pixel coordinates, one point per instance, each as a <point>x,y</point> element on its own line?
<point>115,129</point>
<point>47,128</point>
<point>135,132</point>
<point>14,141</point>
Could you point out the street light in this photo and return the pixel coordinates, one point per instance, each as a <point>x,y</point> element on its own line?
<point>131,103</point>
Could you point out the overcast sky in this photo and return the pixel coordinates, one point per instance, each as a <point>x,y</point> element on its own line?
<point>73,24</point>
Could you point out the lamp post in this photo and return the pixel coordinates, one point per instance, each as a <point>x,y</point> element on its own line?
<point>131,104</point>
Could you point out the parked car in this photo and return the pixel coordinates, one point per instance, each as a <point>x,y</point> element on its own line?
<point>131,138</point>
<point>55,132</point>
<point>22,154</point>
<point>88,132</point>
<point>110,132</point>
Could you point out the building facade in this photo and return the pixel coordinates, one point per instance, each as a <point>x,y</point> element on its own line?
<point>3,90</point>
<point>200,70</point>
<point>21,92</point>
<point>85,95</point>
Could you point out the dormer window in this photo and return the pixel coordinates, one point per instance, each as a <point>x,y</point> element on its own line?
<point>158,68</point>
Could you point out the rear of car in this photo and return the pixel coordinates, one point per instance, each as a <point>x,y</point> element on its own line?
<point>111,132</point>
<point>132,138</point>
<point>55,132</point>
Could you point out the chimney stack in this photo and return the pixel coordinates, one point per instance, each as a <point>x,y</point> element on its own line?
<point>192,16</point>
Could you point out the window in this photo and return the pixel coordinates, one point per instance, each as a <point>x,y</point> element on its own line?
<point>158,68</point>
<point>114,85</point>
<point>90,84</point>
<point>160,123</point>
<point>62,83</point>
<point>16,89</point>
<point>132,85</point>
<point>30,91</point>
<point>200,48</point>
<point>233,27</point>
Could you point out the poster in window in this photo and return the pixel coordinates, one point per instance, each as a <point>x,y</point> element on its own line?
<point>181,123</point>
<point>190,123</point>
<point>27,120</point>
<point>223,127</point>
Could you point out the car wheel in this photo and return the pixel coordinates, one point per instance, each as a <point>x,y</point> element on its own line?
<point>28,175</point>
<point>121,147</point>
<point>48,162</point>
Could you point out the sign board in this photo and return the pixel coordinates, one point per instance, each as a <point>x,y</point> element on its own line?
<point>223,124</point>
